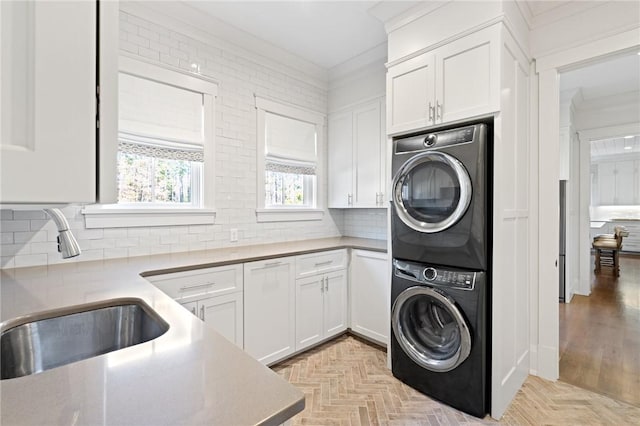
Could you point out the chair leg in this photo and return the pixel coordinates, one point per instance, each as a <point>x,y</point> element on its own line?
<point>597,262</point>
<point>616,263</point>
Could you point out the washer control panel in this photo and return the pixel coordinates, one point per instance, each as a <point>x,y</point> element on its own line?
<point>434,275</point>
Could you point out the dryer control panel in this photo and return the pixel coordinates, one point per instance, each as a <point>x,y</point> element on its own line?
<point>434,275</point>
<point>435,140</point>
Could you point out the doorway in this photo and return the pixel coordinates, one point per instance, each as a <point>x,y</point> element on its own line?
<point>599,329</point>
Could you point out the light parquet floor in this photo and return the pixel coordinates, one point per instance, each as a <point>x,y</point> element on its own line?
<point>346,382</point>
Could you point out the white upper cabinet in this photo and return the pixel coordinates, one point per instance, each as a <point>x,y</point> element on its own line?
<point>411,94</point>
<point>357,155</point>
<point>617,183</point>
<point>48,110</point>
<point>453,82</point>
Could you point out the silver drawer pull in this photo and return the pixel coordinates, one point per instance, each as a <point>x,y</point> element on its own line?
<point>195,286</point>
<point>268,265</point>
<point>324,263</point>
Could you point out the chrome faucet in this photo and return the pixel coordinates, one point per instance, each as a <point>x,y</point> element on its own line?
<point>67,244</point>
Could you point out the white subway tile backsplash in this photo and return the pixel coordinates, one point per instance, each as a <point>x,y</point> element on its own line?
<point>30,260</point>
<point>7,237</point>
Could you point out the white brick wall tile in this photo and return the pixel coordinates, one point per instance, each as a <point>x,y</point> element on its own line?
<point>139,251</point>
<point>112,253</point>
<point>15,225</point>
<point>148,53</point>
<point>127,242</point>
<point>30,260</point>
<point>45,247</point>
<point>138,232</point>
<point>116,233</point>
<point>29,214</point>
<point>6,237</point>
<point>6,214</point>
<point>33,237</point>
<point>148,34</point>
<point>169,60</point>
<point>128,46</point>
<point>7,262</point>
<point>137,40</point>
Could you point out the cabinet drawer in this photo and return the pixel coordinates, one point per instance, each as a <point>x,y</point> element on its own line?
<point>316,263</point>
<point>191,285</point>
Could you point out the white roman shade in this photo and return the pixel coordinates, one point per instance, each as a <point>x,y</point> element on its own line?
<point>159,111</point>
<point>290,145</point>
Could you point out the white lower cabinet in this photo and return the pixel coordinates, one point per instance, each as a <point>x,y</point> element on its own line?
<point>223,313</point>
<point>321,307</point>
<point>212,294</point>
<point>370,295</point>
<point>269,309</point>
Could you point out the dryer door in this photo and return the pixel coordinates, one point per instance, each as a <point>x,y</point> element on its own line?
<point>431,192</point>
<point>430,329</point>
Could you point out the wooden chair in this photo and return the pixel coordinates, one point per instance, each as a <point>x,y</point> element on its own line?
<point>607,247</point>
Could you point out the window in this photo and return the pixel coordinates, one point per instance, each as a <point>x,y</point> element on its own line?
<point>288,162</point>
<point>165,155</point>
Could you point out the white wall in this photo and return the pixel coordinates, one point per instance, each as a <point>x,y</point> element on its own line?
<point>28,238</point>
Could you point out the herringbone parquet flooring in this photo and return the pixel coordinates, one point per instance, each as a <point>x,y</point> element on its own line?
<point>346,382</point>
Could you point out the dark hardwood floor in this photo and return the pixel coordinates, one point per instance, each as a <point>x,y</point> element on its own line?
<point>600,334</point>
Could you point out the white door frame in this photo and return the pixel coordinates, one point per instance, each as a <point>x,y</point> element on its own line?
<point>548,68</point>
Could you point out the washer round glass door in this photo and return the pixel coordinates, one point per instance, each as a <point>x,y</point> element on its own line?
<point>431,192</point>
<point>430,329</point>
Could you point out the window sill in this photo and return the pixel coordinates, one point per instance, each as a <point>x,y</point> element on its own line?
<point>114,216</point>
<point>288,215</point>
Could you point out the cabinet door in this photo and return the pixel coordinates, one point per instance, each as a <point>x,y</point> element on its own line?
<point>340,162</point>
<point>191,307</point>
<point>370,295</point>
<point>467,76</point>
<point>335,303</point>
<point>367,140</point>
<point>625,189</point>
<point>410,94</point>
<point>309,310</point>
<point>269,309</point>
<point>606,183</point>
<point>48,102</point>
<point>225,315</point>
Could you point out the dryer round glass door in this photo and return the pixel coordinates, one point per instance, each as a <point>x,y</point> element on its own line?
<point>431,192</point>
<point>430,329</point>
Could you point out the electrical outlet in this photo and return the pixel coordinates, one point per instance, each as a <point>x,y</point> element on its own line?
<point>233,237</point>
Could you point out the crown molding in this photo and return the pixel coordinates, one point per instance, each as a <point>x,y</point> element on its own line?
<point>184,19</point>
<point>375,56</point>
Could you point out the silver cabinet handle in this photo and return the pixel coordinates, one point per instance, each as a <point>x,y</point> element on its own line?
<point>328,262</point>
<point>322,285</point>
<point>438,110</point>
<point>326,284</point>
<point>193,310</point>
<point>349,199</point>
<point>202,312</point>
<point>195,286</point>
<point>430,112</point>
<point>271,264</point>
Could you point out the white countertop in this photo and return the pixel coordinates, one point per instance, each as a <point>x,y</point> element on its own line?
<point>189,375</point>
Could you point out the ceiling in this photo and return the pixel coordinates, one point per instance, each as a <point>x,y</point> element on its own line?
<point>615,146</point>
<point>326,33</point>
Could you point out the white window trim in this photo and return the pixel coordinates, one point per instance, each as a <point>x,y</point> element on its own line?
<point>287,214</point>
<point>128,215</point>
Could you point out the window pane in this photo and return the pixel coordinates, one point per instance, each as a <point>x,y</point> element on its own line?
<point>288,189</point>
<point>153,180</point>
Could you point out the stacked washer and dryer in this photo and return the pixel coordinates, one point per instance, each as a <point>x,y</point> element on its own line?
<point>440,231</point>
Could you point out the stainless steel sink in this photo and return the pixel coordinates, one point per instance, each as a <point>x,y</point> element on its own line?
<point>35,343</point>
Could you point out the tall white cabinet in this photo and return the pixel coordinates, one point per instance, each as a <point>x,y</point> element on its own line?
<point>48,108</point>
<point>357,155</point>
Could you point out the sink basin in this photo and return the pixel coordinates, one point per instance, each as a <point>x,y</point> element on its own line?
<point>35,343</point>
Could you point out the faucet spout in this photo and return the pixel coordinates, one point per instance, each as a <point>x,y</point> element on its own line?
<point>67,244</point>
